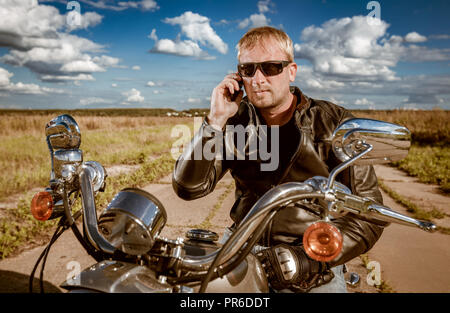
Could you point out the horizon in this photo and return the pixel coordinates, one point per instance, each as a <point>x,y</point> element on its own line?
<point>154,54</point>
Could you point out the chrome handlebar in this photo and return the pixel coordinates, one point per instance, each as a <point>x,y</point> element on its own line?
<point>87,179</point>
<point>288,193</point>
<point>364,206</point>
<point>70,173</point>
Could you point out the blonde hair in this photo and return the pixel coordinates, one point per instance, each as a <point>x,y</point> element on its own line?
<point>256,36</point>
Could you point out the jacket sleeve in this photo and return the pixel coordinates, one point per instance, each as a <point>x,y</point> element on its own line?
<point>201,165</point>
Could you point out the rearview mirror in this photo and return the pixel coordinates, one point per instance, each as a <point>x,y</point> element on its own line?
<point>63,133</point>
<point>390,142</point>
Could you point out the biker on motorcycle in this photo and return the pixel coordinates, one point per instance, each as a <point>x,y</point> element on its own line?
<point>304,127</point>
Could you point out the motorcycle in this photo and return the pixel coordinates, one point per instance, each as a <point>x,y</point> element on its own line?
<point>133,257</point>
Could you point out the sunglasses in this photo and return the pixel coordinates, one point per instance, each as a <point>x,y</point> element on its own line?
<point>268,68</point>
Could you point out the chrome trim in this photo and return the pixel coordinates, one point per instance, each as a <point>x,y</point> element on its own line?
<point>66,163</point>
<point>388,215</point>
<point>353,280</point>
<point>391,142</point>
<point>287,262</point>
<point>202,235</point>
<point>132,221</point>
<point>118,277</point>
<point>346,164</point>
<point>63,132</point>
<point>365,206</point>
<point>98,173</point>
<point>90,213</point>
<point>291,192</point>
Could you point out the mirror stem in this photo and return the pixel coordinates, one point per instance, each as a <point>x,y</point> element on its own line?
<point>346,164</point>
<point>90,214</point>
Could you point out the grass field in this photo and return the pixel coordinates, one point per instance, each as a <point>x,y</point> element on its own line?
<point>25,161</point>
<point>110,140</point>
<point>133,137</point>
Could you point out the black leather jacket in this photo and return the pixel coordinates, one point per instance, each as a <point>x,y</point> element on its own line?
<point>316,121</point>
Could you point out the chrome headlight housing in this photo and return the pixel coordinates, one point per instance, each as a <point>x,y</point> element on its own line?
<point>132,221</point>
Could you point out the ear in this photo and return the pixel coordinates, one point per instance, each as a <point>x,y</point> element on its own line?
<point>292,71</point>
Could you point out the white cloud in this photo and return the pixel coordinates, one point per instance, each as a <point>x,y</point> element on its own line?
<point>94,100</point>
<point>193,100</point>
<point>153,35</point>
<point>37,38</point>
<point>151,84</point>
<point>255,20</point>
<point>20,88</point>
<point>417,53</point>
<point>186,48</point>
<point>145,5</point>
<point>75,21</point>
<point>133,96</point>
<point>62,78</point>
<point>337,101</point>
<point>258,19</point>
<point>199,32</point>
<point>4,77</point>
<point>82,66</point>
<point>149,5</point>
<point>351,50</point>
<point>244,23</point>
<point>107,61</point>
<point>263,6</point>
<point>103,5</point>
<point>415,37</point>
<point>136,68</point>
<point>114,85</point>
<point>197,28</point>
<point>346,46</point>
<point>363,102</point>
<point>222,22</point>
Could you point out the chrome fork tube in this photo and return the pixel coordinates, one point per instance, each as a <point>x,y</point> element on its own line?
<point>90,214</point>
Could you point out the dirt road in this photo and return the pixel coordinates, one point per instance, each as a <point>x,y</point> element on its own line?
<point>410,259</point>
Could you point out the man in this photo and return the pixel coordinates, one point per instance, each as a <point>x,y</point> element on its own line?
<point>266,69</point>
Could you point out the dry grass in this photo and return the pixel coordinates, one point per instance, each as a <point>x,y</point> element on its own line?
<point>427,127</point>
<point>25,161</point>
<point>15,124</point>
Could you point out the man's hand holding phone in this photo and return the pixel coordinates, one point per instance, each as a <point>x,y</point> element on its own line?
<point>225,100</point>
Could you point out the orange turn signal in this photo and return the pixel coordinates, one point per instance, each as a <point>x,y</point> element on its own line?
<point>42,206</point>
<point>322,241</point>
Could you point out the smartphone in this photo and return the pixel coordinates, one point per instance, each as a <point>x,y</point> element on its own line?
<point>234,96</point>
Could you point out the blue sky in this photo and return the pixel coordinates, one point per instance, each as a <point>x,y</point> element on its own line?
<point>171,54</point>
